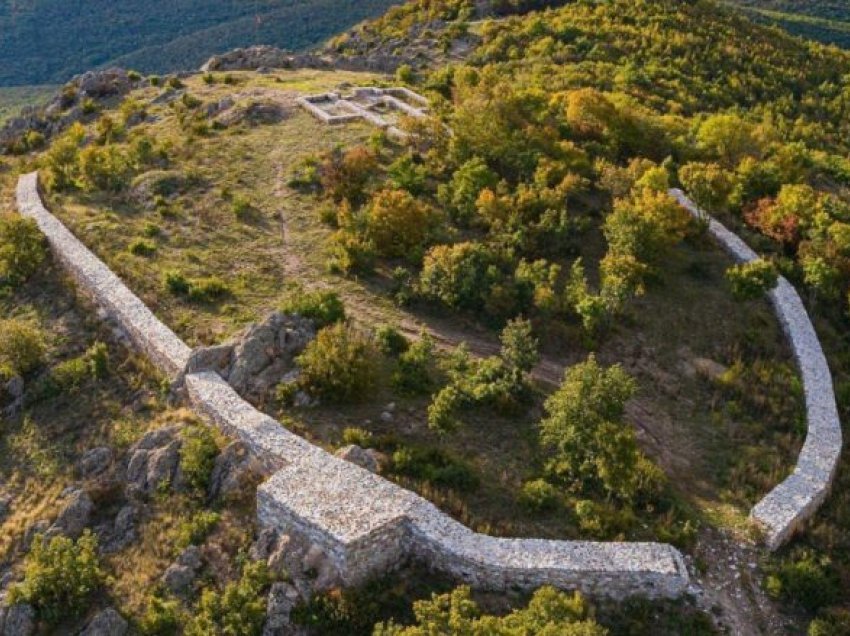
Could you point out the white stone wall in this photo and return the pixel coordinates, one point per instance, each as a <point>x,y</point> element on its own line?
<point>96,280</point>
<point>786,508</point>
<point>364,522</point>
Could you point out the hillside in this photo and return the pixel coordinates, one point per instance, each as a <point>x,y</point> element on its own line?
<point>48,41</point>
<point>827,22</point>
<point>492,300</point>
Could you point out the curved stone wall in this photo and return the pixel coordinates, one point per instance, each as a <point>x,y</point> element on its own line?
<point>364,522</point>
<point>786,508</point>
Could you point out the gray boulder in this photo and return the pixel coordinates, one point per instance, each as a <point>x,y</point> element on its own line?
<point>360,456</point>
<point>95,461</point>
<point>180,576</point>
<point>107,623</point>
<point>283,597</point>
<point>19,620</point>
<point>235,468</point>
<point>154,460</point>
<point>74,516</point>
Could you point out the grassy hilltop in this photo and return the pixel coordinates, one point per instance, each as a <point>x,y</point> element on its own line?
<point>513,313</point>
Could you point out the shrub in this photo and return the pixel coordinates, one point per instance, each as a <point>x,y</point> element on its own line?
<point>539,495</point>
<point>708,184</point>
<point>162,617</point>
<point>358,436</point>
<point>831,622</point>
<point>750,281</point>
<point>90,107</point>
<point>97,358</point>
<point>142,247</point>
<point>413,374</point>
<point>398,224</point>
<point>460,276</point>
<point>592,446</point>
<point>22,346</point>
<point>176,283</point>
<point>197,456</point>
<point>70,374</point>
<point>406,173</point>
<point>346,174</point>
<point>242,208</point>
<point>804,579</point>
<point>22,249</point>
<point>322,307</point>
<point>350,252</point>
<point>466,185</point>
<point>60,577</point>
<point>549,611</point>
<point>390,341</point>
<point>134,76</point>
<point>208,290</point>
<point>238,609</point>
<point>405,74</point>
<point>433,466</point>
<point>339,365</point>
<point>104,168</point>
<point>645,225</point>
<point>195,529</point>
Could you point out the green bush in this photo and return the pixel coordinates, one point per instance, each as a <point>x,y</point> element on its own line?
<point>22,249</point>
<point>242,208</point>
<point>804,579</point>
<point>71,374</point>
<point>208,290</point>
<point>750,281</point>
<point>539,495</point>
<point>414,371</point>
<point>832,622</point>
<point>548,612</point>
<point>176,283</point>
<point>60,577</point>
<point>197,455</point>
<point>162,617</point>
<point>433,466</point>
<point>322,307</point>
<point>238,609</point>
<point>357,436</point>
<point>195,529</point>
<point>142,247</point>
<point>339,365</point>
<point>22,346</point>
<point>390,341</point>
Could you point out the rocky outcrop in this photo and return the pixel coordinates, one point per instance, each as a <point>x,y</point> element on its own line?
<point>235,470</point>
<point>260,358</point>
<point>367,458</point>
<point>106,623</point>
<point>181,575</point>
<point>263,58</point>
<point>154,462</point>
<point>17,620</point>
<point>282,599</point>
<point>95,462</point>
<point>65,107</point>
<point>74,516</point>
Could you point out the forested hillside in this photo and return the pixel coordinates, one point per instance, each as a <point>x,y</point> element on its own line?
<point>827,22</point>
<point>47,41</point>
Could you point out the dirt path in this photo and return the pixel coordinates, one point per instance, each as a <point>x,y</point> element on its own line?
<point>729,587</point>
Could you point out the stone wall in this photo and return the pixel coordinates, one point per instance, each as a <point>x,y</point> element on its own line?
<point>365,523</point>
<point>95,279</point>
<point>786,508</point>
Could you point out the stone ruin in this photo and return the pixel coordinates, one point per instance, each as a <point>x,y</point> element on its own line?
<point>378,106</point>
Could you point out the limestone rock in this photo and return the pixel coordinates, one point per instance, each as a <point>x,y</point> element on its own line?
<point>95,461</point>
<point>154,460</point>
<point>235,468</point>
<point>216,358</point>
<point>19,620</point>
<point>74,516</point>
<point>123,531</point>
<point>283,597</point>
<point>180,576</point>
<point>360,456</point>
<point>107,623</point>
<point>287,557</point>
